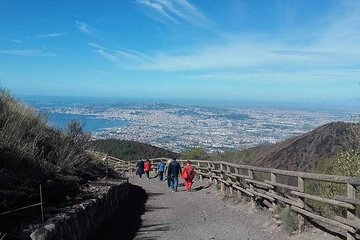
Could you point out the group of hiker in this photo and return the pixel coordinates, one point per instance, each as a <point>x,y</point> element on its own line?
<point>172,172</point>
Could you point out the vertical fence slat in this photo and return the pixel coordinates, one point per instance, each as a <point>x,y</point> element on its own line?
<point>251,176</point>
<point>41,206</point>
<point>351,193</point>
<point>301,219</point>
<point>273,179</point>
<point>239,194</point>
<point>228,170</point>
<point>222,185</point>
<point>201,176</point>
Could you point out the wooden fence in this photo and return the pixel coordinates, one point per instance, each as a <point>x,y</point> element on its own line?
<point>276,186</point>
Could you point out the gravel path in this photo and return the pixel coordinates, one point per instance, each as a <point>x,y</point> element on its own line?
<point>203,214</point>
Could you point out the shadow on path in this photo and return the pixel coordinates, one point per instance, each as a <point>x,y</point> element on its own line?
<point>126,221</point>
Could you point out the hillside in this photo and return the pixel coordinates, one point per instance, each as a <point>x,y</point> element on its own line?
<point>130,150</point>
<point>306,151</point>
<point>31,153</point>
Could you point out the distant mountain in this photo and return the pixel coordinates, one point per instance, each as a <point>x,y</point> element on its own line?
<point>309,150</point>
<point>131,150</point>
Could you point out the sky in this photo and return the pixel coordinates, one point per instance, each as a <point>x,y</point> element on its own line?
<point>206,49</point>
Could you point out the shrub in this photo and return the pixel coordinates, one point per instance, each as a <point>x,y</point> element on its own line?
<point>32,153</point>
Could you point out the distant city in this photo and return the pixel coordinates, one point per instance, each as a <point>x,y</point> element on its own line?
<point>178,127</point>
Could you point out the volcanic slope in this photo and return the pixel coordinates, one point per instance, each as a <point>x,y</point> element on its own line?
<point>307,151</point>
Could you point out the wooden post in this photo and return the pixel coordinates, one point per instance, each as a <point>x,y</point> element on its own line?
<point>230,187</point>
<point>301,219</point>
<point>209,172</point>
<point>252,199</point>
<point>41,206</point>
<point>351,193</point>
<point>273,179</point>
<point>239,194</point>
<point>200,176</point>
<point>222,185</point>
<point>215,180</point>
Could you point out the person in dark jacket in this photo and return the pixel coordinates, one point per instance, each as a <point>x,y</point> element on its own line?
<point>173,172</point>
<point>139,168</point>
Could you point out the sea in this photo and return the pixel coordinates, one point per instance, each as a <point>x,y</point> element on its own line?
<point>90,123</point>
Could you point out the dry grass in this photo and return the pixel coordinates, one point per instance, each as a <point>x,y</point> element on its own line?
<point>32,153</point>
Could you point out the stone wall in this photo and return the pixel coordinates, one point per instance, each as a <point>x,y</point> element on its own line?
<point>80,221</point>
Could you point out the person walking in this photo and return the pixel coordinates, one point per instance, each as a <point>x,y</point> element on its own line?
<point>173,171</point>
<point>139,168</point>
<point>160,170</point>
<point>147,168</point>
<point>188,174</point>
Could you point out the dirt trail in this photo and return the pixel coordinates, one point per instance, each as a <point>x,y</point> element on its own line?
<point>203,214</point>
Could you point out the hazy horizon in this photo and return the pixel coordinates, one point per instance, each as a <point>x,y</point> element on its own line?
<point>346,105</point>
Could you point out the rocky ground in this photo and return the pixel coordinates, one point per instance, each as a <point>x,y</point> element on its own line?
<point>206,214</point>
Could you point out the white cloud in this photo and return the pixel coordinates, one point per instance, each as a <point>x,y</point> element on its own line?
<point>335,45</point>
<point>132,56</point>
<point>84,27</point>
<point>95,45</point>
<point>27,53</point>
<point>108,56</point>
<point>175,11</point>
<point>158,8</point>
<point>285,76</point>
<point>17,41</point>
<point>48,35</point>
<point>120,57</point>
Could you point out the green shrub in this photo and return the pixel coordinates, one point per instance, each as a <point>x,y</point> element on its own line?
<point>346,164</point>
<point>288,217</point>
<point>195,154</point>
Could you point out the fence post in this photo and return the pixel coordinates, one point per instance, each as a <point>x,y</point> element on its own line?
<point>239,194</point>
<point>209,171</point>
<point>351,193</point>
<point>222,185</point>
<point>301,219</point>
<point>41,206</point>
<point>251,176</point>
<point>200,175</point>
<point>230,187</point>
<point>273,179</point>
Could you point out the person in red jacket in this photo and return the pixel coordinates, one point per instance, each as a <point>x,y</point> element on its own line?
<point>188,174</point>
<point>147,168</point>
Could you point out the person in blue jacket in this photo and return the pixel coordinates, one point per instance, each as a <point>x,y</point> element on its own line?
<point>160,170</point>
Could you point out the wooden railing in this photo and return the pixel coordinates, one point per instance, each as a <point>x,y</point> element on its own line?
<point>268,184</point>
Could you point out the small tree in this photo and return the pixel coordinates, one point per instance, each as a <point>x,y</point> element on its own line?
<point>195,153</point>
<point>75,130</point>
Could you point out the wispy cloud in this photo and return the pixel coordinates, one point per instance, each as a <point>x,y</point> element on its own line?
<point>48,35</point>
<point>17,41</point>
<point>95,45</point>
<point>120,57</point>
<point>175,11</point>
<point>158,8</point>
<point>27,53</point>
<point>304,53</point>
<point>84,27</point>
<point>100,72</point>
<point>108,56</point>
<point>285,76</point>
<point>250,54</point>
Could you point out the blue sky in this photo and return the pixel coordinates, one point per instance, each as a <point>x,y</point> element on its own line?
<point>217,49</point>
